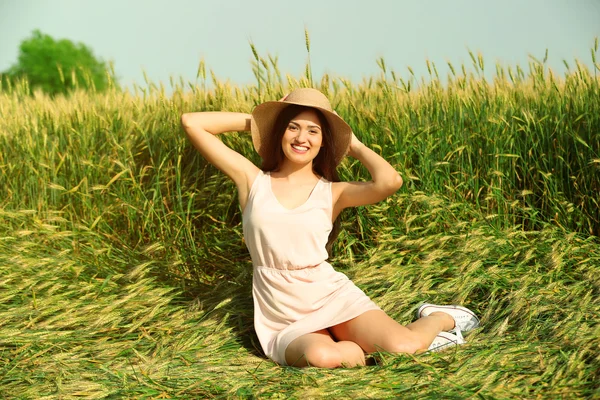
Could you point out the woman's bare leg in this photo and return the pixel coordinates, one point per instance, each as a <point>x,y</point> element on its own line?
<point>318,349</point>
<point>376,331</point>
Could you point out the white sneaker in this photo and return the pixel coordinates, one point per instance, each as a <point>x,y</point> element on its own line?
<point>464,319</point>
<point>445,340</point>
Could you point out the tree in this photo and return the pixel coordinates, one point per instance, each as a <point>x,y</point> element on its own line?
<point>59,66</point>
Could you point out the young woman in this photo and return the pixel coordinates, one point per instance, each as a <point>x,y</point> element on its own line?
<point>306,313</point>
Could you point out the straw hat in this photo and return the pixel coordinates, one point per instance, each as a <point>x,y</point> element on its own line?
<point>265,115</point>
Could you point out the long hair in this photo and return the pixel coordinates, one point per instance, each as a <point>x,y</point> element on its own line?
<point>323,164</point>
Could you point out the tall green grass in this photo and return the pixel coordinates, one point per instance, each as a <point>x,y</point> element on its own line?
<point>123,271</point>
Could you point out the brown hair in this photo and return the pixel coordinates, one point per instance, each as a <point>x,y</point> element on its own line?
<point>323,164</point>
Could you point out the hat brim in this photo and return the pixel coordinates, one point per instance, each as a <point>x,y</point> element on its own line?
<point>263,121</point>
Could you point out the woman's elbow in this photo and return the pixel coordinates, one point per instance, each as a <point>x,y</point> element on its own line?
<point>395,183</point>
<point>190,123</point>
<point>185,120</point>
<point>399,181</point>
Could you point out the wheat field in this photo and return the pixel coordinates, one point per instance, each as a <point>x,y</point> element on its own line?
<point>123,271</point>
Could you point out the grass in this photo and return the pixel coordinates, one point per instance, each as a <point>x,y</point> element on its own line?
<point>123,272</point>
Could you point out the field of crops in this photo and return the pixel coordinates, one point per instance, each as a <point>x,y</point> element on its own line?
<point>123,272</point>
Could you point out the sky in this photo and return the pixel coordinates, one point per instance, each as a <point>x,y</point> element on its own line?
<point>168,38</point>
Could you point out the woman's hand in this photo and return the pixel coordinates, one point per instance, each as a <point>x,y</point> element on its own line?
<point>355,146</point>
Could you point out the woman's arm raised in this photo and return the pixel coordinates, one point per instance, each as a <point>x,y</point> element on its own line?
<point>201,127</point>
<point>385,180</point>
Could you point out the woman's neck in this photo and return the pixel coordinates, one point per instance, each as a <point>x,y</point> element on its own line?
<point>295,171</point>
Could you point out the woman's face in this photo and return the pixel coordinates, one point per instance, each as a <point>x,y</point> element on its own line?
<point>302,138</point>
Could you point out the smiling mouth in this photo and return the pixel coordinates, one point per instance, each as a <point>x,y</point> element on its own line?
<point>301,149</point>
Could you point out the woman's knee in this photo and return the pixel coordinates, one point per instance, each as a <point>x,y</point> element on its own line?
<point>323,356</point>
